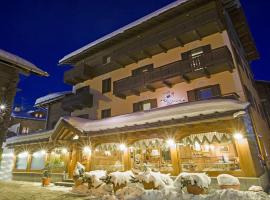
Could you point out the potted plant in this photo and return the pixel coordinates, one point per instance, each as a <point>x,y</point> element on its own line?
<point>195,183</point>
<point>46,178</point>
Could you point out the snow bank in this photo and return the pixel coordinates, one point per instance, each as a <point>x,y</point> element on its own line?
<point>131,192</point>
<point>119,178</point>
<point>160,180</point>
<point>255,188</point>
<point>97,173</point>
<point>226,179</point>
<point>200,179</point>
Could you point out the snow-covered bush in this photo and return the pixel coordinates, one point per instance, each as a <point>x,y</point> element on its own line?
<point>255,188</point>
<point>226,179</point>
<point>201,180</point>
<point>158,179</point>
<point>96,173</point>
<point>121,178</point>
<point>79,170</point>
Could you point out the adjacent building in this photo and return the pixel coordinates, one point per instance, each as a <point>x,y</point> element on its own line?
<point>172,91</point>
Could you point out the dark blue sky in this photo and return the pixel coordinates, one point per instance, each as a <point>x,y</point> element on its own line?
<point>43,31</point>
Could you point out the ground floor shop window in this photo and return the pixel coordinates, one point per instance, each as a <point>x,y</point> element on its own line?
<point>208,152</point>
<point>152,153</point>
<point>108,157</point>
<point>22,160</point>
<point>57,159</point>
<point>38,160</point>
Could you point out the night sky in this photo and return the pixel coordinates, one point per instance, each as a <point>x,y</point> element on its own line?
<point>45,31</point>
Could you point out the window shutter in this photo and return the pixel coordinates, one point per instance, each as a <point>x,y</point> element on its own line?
<point>216,90</point>
<point>191,95</point>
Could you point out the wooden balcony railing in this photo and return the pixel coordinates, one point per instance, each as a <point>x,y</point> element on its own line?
<point>78,101</point>
<point>215,61</point>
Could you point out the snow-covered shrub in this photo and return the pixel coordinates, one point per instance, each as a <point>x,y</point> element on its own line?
<point>121,178</point>
<point>96,173</point>
<point>130,192</point>
<point>226,179</point>
<point>184,179</point>
<point>255,188</point>
<point>158,179</point>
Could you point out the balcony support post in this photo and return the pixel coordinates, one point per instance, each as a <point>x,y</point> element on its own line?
<point>167,83</point>
<point>150,88</point>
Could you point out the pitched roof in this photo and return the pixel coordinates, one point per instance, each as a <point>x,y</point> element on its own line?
<point>18,62</point>
<point>51,98</point>
<point>124,29</point>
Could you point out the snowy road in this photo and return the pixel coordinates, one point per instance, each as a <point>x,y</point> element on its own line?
<point>15,190</point>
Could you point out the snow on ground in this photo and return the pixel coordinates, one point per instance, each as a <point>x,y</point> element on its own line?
<point>16,190</point>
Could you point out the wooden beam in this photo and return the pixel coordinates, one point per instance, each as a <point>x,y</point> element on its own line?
<point>149,55</point>
<point>121,96</point>
<point>119,63</point>
<point>151,88</point>
<point>135,92</point>
<point>184,76</point>
<point>167,83</point>
<point>198,34</point>
<point>162,47</point>
<point>179,41</point>
<point>132,58</point>
<point>207,73</point>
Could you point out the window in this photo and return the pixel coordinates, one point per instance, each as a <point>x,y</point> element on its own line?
<point>25,130</point>
<point>105,113</point>
<point>106,60</point>
<point>38,160</point>
<point>204,93</point>
<point>21,161</point>
<point>145,105</point>
<point>106,85</point>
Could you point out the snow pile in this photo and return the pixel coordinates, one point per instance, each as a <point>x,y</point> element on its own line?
<point>80,189</point>
<point>121,178</point>
<point>226,179</point>
<point>97,173</point>
<point>255,188</point>
<point>160,180</point>
<point>200,179</point>
<point>132,191</point>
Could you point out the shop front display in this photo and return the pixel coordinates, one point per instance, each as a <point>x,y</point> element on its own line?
<point>108,157</point>
<point>208,152</point>
<point>152,153</point>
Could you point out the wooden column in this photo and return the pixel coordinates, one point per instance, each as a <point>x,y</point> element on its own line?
<point>73,161</point>
<point>175,160</point>
<point>245,158</point>
<point>126,160</point>
<point>29,161</point>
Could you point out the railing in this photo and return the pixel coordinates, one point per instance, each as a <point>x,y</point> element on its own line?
<point>76,75</point>
<point>201,63</point>
<point>78,101</point>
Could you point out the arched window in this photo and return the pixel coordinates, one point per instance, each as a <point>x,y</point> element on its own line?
<point>21,161</point>
<point>38,160</point>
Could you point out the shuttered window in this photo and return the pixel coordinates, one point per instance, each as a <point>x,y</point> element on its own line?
<point>105,113</point>
<point>145,105</point>
<point>204,93</point>
<point>106,85</point>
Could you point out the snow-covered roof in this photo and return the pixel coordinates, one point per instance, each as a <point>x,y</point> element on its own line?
<point>20,63</point>
<point>177,111</point>
<point>50,98</point>
<point>26,138</point>
<point>123,29</point>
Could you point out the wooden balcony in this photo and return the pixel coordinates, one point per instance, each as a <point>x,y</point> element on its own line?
<point>215,61</point>
<point>76,75</point>
<point>82,99</point>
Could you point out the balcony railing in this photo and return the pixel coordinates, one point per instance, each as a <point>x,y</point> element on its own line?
<point>80,100</point>
<point>215,61</point>
<point>76,75</point>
